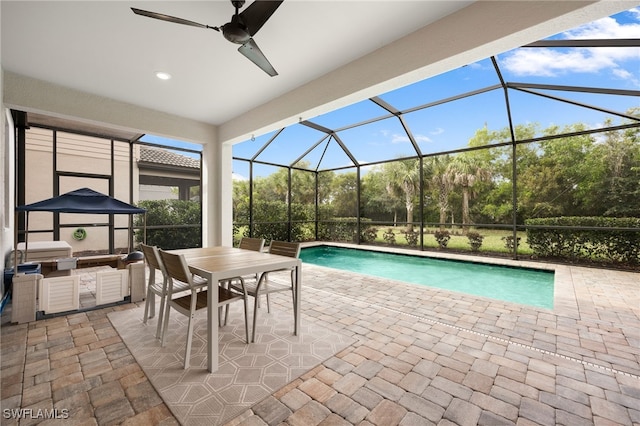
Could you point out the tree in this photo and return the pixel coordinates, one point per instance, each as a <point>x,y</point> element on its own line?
<point>614,183</point>
<point>403,178</point>
<point>377,203</point>
<point>440,181</point>
<point>465,171</point>
<point>344,190</point>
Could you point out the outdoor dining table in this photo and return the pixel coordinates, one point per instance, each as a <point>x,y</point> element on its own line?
<point>221,263</point>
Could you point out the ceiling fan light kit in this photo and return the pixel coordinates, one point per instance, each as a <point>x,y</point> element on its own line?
<point>240,30</point>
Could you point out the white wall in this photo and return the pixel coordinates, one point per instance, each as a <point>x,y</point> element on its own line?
<point>7,184</point>
<point>31,95</point>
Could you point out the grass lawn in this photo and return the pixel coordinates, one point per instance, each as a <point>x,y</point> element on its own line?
<point>492,242</point>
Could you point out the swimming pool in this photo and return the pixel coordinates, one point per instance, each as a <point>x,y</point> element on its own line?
<point>520,285</point>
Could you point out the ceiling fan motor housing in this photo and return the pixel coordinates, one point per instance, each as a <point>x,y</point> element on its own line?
<point>235,31</point>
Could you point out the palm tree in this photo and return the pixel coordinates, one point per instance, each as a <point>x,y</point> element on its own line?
<point>403,178</point>
<point>465,171</point>
<point>440,181</point>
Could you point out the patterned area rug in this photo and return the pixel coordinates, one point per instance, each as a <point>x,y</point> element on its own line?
<point>247,373</point>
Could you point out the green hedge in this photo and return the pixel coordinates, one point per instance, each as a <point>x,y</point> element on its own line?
<point>345,229</point>
<point>590,244</point>
<point>164,220</point>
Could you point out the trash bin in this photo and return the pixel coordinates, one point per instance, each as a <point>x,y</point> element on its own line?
<point>26,268</point>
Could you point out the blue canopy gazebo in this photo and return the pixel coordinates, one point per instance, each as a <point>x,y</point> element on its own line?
<point>83,200</point>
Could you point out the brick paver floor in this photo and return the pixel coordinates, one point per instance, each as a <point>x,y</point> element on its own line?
<point>422,356</point>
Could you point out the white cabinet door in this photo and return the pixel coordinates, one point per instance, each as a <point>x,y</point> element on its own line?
<point>111,286</point>
<point>60,294</point>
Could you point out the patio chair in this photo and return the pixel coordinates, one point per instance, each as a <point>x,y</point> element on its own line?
<point>246,243</point>
<point>160,289</point>
<point>177,271</point>
<point>263,286</point>
<point>255,244</point>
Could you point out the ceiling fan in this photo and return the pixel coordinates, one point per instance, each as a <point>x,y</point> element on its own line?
<point>243,26</point>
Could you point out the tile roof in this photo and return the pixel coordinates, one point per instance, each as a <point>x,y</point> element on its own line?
<point>166,157</point>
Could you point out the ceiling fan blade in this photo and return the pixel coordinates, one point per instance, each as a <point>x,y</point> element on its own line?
<point>251,50</point>
<point>257,13</point>
<point>168,18</point>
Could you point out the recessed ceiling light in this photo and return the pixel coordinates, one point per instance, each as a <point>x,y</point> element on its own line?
<point>163,75</point>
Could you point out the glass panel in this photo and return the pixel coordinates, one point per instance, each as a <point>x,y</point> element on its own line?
<point>169,188</point>
<point>454,125</point>
<point>241,170</point>
<point>349,115</point>
<point>378,141</point>
<point>327,155</point>
<point>270,203</point>
<point>338,206</point>
<point>610,67</point>
<point>303,205</point>
<point>580,181</point>
<point>249,148</point>
<point>552,116</point>
<point>122,242</point>
<point>290,145</point>
<point>241,206</point>
<point>469,78</point>
<point>592,175</point>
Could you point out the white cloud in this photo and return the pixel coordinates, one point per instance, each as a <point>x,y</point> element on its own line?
<point>437,131</point>
<point>552,62</point>
<point>626,75</point>
<point>398,138</point>
<point>423,138</point>
<point>237,176</point>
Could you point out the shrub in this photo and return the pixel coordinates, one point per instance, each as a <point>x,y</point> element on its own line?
<point>508,242</point>
<point>475,240</point>
<point>389,236</point>
<point>171,224</point>
<point>412,238</point>
<point>442,237</point>
<point>368,234</point>
<point>619,243</point>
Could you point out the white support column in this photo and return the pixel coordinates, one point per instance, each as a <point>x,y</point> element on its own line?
<point>217,195</point>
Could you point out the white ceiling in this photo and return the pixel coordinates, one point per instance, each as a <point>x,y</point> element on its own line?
<point>103,48</point>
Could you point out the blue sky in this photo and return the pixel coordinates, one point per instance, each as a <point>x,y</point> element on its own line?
<point>449,126</point>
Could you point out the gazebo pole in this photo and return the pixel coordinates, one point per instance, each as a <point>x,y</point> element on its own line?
<point>15,243</point>
<point>15,238</point>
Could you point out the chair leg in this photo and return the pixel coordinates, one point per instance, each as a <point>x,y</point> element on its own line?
<point>151,300</point>
<point>165,321</point>
<point>187,352</point>
<point>255,317</point>
<point>294,296</point>
<point>268,304</point>
<point>246,318</point>
<point>163,300</point>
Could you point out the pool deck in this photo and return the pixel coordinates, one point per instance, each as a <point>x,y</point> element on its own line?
<point>421,356</point>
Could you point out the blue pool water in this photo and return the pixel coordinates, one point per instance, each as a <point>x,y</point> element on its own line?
<point>520,285</point>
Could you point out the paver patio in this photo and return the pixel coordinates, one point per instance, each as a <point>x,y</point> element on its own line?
<point>422,356</point>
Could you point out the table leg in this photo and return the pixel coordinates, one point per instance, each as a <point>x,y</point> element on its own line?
<point>212,323</point>
<point>298,298</point>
